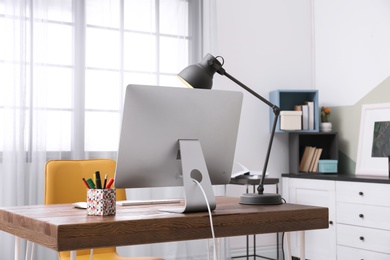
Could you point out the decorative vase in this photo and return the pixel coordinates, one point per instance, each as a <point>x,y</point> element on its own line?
<point>326,127</point>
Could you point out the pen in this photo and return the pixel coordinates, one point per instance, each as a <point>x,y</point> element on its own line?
<point>94,178</point>
<point>90,183</point>
<point>109,183</point>
<point>98,181</point>
<point>105,181</point>
<point>86,184</point>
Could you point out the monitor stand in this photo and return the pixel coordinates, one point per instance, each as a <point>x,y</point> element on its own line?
<point>194,167</point>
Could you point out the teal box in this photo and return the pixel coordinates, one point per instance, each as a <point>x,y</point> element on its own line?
<point>327,166</point>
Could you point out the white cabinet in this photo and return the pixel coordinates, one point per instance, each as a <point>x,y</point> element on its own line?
<point>363,220</point>
<point>359,217</point>
<point>349,253</point>
<point>319,244</point>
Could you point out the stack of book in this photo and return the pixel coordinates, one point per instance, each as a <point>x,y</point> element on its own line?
<point>309,161</point>
<point>307,115</point>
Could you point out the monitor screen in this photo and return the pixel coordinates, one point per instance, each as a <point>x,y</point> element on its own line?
<point>155,118</point>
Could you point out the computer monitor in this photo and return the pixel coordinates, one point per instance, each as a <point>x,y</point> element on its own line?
<point>170,136</point>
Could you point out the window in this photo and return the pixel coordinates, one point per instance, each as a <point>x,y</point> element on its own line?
<point>65,66</point>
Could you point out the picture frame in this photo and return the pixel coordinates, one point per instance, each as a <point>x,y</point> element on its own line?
<point>368,161</point>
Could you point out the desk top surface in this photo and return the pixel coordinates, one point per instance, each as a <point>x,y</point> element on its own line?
<point>62,227</point>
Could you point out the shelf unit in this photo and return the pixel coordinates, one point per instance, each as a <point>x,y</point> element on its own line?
<point>287,99</point>
<point>298,141</point>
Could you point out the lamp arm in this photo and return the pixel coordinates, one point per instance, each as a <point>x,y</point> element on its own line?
<point>276,111</point>
<point>260,189</point>
<point>252,92</point>
<point>217,66</point>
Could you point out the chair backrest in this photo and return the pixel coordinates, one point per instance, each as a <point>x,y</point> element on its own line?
<point>63,184</point>
<point>63,179</point>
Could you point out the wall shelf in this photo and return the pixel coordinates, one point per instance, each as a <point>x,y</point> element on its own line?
<point>298,141</point>
<point>288,99</point>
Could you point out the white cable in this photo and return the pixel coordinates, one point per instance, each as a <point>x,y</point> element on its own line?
<point>210,216</point>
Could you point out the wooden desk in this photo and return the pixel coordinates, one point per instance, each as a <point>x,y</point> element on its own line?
<point>63,227</point>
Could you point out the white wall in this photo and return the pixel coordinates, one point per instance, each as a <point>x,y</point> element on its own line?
<point>340,47</point>
<point>352,48</point>
<point>266,45</point>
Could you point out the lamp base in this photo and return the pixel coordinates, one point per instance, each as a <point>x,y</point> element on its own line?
<point>261,199</point>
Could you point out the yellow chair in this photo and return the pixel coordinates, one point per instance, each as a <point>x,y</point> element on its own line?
<point>62,174</point>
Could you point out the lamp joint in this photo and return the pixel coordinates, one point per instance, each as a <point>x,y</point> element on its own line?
<point>260,189</point>
<point>214,62</point>
<point>276,110</point>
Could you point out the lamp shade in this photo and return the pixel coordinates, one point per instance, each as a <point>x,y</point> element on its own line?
<point>200,75</point>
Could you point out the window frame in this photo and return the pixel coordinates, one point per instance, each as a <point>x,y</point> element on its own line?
<point>78,110</point>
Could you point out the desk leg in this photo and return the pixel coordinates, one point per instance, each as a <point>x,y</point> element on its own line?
<point>72,255</point>
<point>29,250</point>
<point>218,247</point>
<point>302,244</point>
<point>32,251</point>
<point>17,248</point>
<point>288,244</point>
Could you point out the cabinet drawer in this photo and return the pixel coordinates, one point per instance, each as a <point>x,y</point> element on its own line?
<point>364,238</point>
<point>363,215</point>
<point>363,193</point>
<point>349,253</point>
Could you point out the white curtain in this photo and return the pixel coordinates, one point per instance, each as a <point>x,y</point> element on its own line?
<point>64,65</point>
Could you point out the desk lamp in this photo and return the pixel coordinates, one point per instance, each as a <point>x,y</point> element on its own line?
<point>200,75</point>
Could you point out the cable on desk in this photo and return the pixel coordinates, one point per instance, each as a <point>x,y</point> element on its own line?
<point>211,218</point>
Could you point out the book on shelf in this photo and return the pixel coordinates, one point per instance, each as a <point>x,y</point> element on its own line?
<point>305,117</point>
<point>310,107</point>
<point>309,160</point>
<point>307,114</point>
<point>316,157</point>
<point>306,159</point>
<point>299,108</point>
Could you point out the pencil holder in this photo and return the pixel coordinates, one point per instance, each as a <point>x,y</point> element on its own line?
<point>101,202</point>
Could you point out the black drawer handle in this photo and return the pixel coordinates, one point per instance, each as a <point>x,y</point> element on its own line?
<point>331,222</point>
<point>361,238</point>
<point>361,216</point>
<point>361,193</point>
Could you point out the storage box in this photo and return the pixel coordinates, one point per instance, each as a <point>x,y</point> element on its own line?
<point>290,120</point>
<point>327,166</point>
<point>101,202</point>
